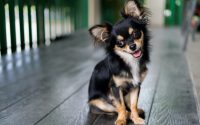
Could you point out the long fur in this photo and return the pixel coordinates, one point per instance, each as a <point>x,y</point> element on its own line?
<point>113,63</point>
<point>120,70</point>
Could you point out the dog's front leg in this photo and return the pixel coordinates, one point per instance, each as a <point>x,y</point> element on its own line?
<point>119,103</point>
<point>134,95</point>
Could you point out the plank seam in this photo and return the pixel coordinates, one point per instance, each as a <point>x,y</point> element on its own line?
<point>17,101</point>
<point>28,95</point>
<point>98,117</point>
<point>193,86</point>
<point>154,94</point>
<point>61,103</point>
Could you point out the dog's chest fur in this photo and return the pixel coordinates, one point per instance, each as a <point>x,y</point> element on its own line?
<point>134,68</point>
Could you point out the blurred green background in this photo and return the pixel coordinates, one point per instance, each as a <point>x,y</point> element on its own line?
<point>30,23</point>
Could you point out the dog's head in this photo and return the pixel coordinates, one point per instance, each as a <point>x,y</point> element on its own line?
<point>128,36</point>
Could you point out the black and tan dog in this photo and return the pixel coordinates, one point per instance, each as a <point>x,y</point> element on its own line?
<point>115,82</point>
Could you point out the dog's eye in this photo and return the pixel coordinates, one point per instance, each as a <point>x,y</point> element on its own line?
<point>121,44</point>
<point>136,35</point>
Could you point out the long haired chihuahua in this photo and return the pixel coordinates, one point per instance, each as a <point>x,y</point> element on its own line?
<point>116,80</point>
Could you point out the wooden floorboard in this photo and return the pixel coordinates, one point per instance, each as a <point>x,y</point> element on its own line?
<point>31,63</point>
<point>72,112</point>
<point>50,91</point>
<point>19,66</point>
<point>174,102</point>
<point>45,64</point>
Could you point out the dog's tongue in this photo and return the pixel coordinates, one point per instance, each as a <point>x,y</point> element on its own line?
<point>137,53</point>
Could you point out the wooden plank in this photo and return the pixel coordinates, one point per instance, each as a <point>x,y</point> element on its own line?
<point>25,80</point>
<point>40,103</point>
<point>193,56</point>
<point>74,111</point>
<point>73,43</point>
<point>52,55</point>
<point>174,101</point>
<point>23,90</point>
<point>38,99</point>
<point>3,44</point>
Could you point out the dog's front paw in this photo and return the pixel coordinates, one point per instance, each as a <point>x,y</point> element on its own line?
<point>120,122</point>
<point>141,113</point>
<point>138,120</point>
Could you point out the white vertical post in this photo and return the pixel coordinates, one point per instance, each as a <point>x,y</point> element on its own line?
<point>94,13</point>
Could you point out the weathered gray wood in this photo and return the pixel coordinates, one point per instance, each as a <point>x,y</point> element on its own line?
<point>44,57</point>
<point>22,81</point>
<point>59,86</point>
<point>72,112</point>
<point>193,56</point>
<point>174,102</point>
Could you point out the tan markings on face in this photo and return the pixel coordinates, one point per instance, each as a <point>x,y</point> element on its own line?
<point>130,30</point>
<point>120,81</point>
<point>139,42</point>
<point>119,38</point>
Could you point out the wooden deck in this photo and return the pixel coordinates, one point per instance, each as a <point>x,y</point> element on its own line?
<point>48,86</point>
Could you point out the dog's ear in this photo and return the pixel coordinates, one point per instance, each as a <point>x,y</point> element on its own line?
<point>132,8</point>
<point>101,33</point>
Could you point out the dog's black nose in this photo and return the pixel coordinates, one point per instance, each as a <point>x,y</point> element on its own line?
<point>132,47</point>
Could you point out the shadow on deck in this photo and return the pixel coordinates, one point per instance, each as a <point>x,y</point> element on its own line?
<point>48,86</point>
